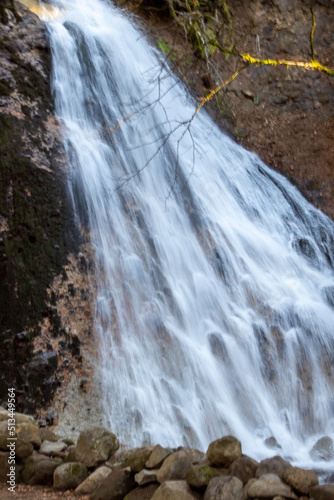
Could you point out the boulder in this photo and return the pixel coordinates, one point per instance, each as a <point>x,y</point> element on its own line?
<point>92,482</point>
<point>22,449</point>
<point>272,443</point>
<point>199,476</point>
<point>95,445</point>
<point>176,466</point>
<point>244,468</point>
<point>269,486</point>
<point>29,433</point>
<point>322,492</point>
<point>146,476</point>
<point>195,456</point>
<point>53,448</point>
<point>175,490</point>
<point>248,485</point>
<point>70,454</point>
<point>157,456</point>
<point>142,492</point>
<point>120,459</point>
<point>274,465</point>
<point>69,476</point>
<point>224,451</point>
<point>47,435</point>
<point>4,466</point>
<point>224,488</point>
<point>20,418</point>
<point>300,480</point>
<point>138,458</point>
<point>39,469</point>
<point>115,486</point>
<point>323,449</point>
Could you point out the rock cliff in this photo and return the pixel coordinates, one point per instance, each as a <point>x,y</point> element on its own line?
<point>44,306</point>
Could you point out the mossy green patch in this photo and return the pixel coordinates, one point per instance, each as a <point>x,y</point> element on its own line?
<point>167,50</point>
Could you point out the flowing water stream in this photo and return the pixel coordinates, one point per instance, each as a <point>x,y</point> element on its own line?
<point>215,277</point>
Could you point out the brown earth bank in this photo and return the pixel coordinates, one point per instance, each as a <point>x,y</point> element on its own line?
<point>284,114</point>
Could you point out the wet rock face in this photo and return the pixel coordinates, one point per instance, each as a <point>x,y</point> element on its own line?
<point>36,218</point>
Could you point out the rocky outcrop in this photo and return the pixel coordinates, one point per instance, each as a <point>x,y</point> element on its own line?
<point>36,220</point>
<point>46,301</point>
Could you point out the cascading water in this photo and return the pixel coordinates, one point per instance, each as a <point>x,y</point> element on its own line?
<point>215,277</point>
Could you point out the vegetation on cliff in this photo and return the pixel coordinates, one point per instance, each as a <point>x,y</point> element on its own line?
<point>281,103</point>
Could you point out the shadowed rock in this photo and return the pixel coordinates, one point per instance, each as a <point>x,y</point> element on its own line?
<point>157,456</point>
<point>224,488</point>
<point>274,465</point>
<point>244,468</point>
<point>176,466</point>
<point>39,469</point>
<point>69,476</point>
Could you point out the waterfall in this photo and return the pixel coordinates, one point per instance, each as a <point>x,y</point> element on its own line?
<point>214,311</point>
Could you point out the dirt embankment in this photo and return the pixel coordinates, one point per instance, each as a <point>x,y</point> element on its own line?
<point>285,114</point>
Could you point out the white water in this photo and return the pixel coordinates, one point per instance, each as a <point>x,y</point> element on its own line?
<point>212,269</point>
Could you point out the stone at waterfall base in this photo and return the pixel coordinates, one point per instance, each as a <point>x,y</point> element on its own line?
<point>225,488</point>
<point>176,466</point>
<point>39,469</point>
<point>322,492</point>
<point>175,490</point>
<point>115,486</point>
<point>95,445</point>
<point>244,468</point>
<point>92,482</point>
<point>269,486</point>
<point>69,476</point>
<point>299,479</point>
<point>224,451</point>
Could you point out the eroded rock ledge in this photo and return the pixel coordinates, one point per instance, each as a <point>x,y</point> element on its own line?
<point>96,467</point>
